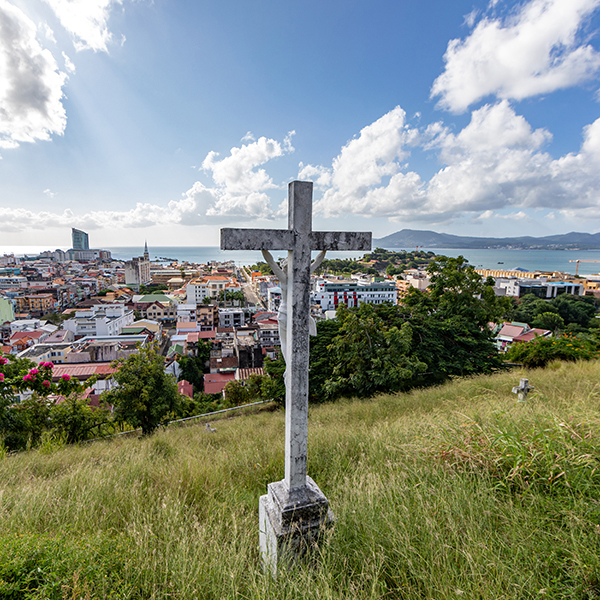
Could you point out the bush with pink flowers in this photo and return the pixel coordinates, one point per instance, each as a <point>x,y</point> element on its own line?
<point>29,401</point>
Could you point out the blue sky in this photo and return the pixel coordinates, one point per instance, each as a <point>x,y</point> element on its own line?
<point>140,119</point>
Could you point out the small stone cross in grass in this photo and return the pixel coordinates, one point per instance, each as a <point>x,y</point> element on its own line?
<point>523,389</point>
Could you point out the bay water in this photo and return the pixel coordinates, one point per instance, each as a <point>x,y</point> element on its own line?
<point>489,258</point>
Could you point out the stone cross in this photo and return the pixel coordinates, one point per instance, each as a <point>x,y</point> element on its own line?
<point>523,389</point>
<point>283,511</point>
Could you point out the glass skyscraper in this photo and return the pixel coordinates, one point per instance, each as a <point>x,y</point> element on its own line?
<point>81,240</point>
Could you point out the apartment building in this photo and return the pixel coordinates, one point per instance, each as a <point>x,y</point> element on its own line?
<point>328,294</point>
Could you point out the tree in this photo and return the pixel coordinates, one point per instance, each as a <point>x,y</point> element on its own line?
<point>548,320</point>
<point>236,393</point>
<point>146,395</point>
<point>458,291</point>
<point>75,420</point>
<point>575,309</point>
<point>192,371</point>
<point>450,321</point>
<point>542,350</point>
<point>274,387</point>
<point>369,356</point>
<point>322,358</point>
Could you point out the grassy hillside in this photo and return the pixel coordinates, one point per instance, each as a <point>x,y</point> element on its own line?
<point>456,491</point>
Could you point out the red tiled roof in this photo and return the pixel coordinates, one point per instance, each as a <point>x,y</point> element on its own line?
<point>34,335</point>
<point>511,331</point>
<point>531,335</point>
<point>207,335</point>
<point>273,321</point>
<point>186,388</point>
<point>83,370</point>
<point>214,383</point>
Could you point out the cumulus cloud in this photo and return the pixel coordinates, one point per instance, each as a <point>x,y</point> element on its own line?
<point>533,52</point>
<point>497,162</point>
<point>240,185</point>
<point>366,176</point>
<point>30,83</point>
<point>86,21</point>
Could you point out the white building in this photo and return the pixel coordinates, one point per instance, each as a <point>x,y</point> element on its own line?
<point>16,281</point>
<point>273,298</point>
<point>209,287</point>
<point>187,312</point>
<point>541,288</point>
<point>231,317</point>
<point>196,290</point>
<point>137,272</point>
<point>101,320</point>
<point>328,294</point>
<point>268,333</point>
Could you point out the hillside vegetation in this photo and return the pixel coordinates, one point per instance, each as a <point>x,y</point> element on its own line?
<point>453,491</point>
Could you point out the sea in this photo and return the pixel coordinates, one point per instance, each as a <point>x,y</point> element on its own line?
<point>488,258</point>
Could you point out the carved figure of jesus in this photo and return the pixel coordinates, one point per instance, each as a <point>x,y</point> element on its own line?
<point>281,273</point>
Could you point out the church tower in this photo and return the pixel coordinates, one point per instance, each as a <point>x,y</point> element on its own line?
<point>146,255</point>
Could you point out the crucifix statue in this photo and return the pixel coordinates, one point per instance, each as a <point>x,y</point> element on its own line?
<point>294,511</point>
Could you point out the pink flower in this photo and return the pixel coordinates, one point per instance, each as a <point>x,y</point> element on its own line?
<point>47,365</point>
<point>27,377</point>
<point>1,377</point>
<point>65,377</point>
<point>46,383</point>
<point>33,372</point>
<point>3,361</point>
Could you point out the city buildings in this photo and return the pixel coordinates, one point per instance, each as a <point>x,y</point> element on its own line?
<point>137,270</point>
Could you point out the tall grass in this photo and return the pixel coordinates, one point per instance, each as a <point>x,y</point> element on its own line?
<point>455,491</point>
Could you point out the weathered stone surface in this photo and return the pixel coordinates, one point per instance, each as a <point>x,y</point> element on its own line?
<point>340,240</point>
<point>294,511</point>
<point>291,523</point>
<point>255,239</point>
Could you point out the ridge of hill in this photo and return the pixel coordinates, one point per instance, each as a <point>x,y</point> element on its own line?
<point>446,491</point>
<point>407,238</point>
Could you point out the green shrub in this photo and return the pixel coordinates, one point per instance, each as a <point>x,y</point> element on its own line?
<point>542,350</point>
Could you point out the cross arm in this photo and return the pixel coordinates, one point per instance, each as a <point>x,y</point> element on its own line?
<point>256,239</point>
<point>340,240</point>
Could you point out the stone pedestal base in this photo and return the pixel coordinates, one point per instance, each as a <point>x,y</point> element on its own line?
<point>291,523</point>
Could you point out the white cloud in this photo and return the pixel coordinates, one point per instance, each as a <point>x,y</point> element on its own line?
<point>240,186</point>
<point>30,83</point>
<point>495,168</point>
<point>496,162</point>
<point>69,66</point>
<point>533,52</point>
<point>49,33</point>
<point>86,21</point>
<point>493,162</point>
<point>515,216</point>
<point>364,164</point>
<point>49,193</point>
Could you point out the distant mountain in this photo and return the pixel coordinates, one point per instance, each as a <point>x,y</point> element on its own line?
<point>409,238</point>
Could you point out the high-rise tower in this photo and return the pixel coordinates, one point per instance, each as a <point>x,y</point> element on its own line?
<point>81,241</point>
